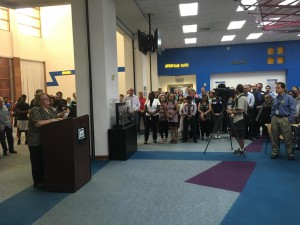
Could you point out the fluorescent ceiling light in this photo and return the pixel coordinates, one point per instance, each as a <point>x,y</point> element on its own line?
<point>228,37</point>
<point>190,9</point>
<point>264,23</point>
<point>236,25</point>
<point>287,2</point>
<point>247,3</point>
<point>274,18</point>
<point>189,28</point>
<point>254,36</point>
<point>298,35</point>
<point>190,40</point>
<point>295,3</point>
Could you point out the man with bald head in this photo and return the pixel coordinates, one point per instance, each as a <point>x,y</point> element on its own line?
<point>135,105</point>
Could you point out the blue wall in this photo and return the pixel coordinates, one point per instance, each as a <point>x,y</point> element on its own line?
<point>204,61</point>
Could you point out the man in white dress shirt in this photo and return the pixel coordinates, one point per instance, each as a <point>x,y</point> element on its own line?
<point>134,105</point>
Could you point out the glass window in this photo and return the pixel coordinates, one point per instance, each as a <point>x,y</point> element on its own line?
<point>29,21</point>
<point>4,19</point>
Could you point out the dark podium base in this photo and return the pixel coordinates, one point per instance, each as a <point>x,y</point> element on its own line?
<point>122,142</point>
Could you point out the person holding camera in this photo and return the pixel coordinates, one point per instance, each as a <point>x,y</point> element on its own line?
<point>237,114</point>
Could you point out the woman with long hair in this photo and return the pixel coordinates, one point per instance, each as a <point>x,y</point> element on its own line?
<point>163,118</point>
<point>172,112</point>
<point>204,109</point>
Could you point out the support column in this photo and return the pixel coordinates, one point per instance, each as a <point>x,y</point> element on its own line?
<point>95,92</point>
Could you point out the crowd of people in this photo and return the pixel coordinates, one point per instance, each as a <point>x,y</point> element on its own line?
<point>243,112</point>
<point>28,118</point>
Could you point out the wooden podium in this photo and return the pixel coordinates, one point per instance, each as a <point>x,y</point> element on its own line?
<point>67,162</point>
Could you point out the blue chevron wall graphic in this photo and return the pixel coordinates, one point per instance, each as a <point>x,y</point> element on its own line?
<point>54,74</point>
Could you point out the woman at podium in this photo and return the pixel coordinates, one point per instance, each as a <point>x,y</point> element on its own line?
<point>40,115</point>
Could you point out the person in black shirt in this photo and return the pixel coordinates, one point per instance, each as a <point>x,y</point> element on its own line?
<point>22,123</point>
<point>217,115</point>
<point>38,91</point>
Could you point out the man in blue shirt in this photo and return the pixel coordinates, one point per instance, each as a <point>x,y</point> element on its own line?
<point>282,115</point>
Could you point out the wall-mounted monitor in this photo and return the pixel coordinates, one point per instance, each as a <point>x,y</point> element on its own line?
<point>143,42</point>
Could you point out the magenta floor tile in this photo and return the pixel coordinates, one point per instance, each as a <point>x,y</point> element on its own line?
<point>231,176</point>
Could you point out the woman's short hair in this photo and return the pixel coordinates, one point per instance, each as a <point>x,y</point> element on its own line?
<point>37,99</point>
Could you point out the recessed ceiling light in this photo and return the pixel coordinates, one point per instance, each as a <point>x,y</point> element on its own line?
<point>247,3</point>
<point>274,18</point>
<point>190,9</point>
<point>254,36</point>
<point>287,2</point>
<point>228,37</point>
<point>189,28</point>
<point>190,40</point>
<point>236,25</point>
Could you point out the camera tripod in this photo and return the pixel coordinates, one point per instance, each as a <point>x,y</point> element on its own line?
<point>232,129</point>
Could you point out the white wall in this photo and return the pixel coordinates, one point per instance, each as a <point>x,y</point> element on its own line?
<point>55,47</point>
<point>121,63</point>
<point>6,49</point>
<point>233,79</point>
<point>58,47</point>
<point>164,81</point>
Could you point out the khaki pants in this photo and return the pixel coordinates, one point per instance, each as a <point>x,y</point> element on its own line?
<point>281,126</point>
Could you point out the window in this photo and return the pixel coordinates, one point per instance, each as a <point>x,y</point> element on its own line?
<point>4,19</point>
<point>29,22</point>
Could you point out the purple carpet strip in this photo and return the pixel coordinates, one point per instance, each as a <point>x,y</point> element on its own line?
<point>255,146</point>
<point>231,176</point>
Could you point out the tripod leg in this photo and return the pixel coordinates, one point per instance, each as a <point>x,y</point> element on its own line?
<point>214,130</point>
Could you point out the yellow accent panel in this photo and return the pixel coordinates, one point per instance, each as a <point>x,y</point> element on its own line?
<point>280,50</point>
<point>271,51</point>
<point>280,60</point>
<point>67,72</point>
<point>271,60</point>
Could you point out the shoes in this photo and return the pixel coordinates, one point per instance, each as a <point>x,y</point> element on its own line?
<point>274,156</point>
<point>202,138</point>
<point>154,141</point>
<point>4,153</point>
<point>19,142</point>
<point>239,152</point>
<point>162,139</point>
<point>184,140</point>
<point>206,138</point>
<point>145,142</point>
<point>216,136</point>
<point>291,157</point>
<point>219,137</point>
<point>195,141</point>
<point>13,152</point>
<point>252,139</point>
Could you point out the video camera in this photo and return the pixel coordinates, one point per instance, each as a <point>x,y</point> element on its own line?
<point>224,93</point>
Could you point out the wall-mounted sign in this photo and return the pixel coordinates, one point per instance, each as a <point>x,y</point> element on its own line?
<point>178,65</point>
<point>237,62</point>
